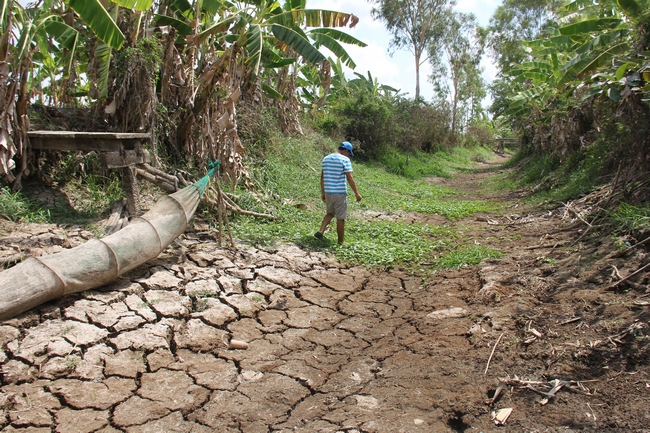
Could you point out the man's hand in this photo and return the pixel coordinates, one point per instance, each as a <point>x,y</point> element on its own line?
<point>358,196</point>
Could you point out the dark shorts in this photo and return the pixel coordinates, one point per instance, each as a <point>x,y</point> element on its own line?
<point>337,205</point>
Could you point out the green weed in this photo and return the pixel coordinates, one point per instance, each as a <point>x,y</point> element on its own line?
<point>94,194</point>
<point>14,206</point>
<point>621,243</point>
<point>414,166</point>
<point>629,218</point>
<point>72,361</point>
<point>387,244</point>
<point>200,304</point>
<point>500,182</point>
<point>466,255</point>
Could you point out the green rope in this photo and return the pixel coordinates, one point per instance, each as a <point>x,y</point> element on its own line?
<point>202,183</point>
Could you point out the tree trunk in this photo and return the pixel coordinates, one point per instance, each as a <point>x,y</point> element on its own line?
<point>417,76</point>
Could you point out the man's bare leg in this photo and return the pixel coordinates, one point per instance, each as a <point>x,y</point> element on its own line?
<point>340,230</point>
<point>323,226</point>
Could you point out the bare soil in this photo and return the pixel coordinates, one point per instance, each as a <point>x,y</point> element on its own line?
<point>215,339</point>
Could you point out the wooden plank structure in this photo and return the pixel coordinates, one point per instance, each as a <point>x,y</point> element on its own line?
<point>120,150</point>
<point>501,143</point>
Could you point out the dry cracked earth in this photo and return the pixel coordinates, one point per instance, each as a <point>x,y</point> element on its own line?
<point>239,339</point>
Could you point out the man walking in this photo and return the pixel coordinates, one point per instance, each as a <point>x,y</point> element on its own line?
<point>336,173</point>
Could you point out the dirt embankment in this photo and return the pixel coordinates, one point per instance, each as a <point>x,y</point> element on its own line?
<point>203,338</point>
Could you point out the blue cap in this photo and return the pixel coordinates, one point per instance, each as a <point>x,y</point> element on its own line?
<point>347,146</point>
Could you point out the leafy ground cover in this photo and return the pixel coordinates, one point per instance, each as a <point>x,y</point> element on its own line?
<point>290,180</point>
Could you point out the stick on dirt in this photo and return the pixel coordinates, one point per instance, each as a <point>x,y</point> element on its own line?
<point>492,354</point>
<point>638,271</point>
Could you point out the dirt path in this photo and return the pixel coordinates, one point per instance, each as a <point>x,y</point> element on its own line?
<point>209,339</point>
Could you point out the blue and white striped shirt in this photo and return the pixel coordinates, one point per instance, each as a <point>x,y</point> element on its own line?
<point>334,167</point>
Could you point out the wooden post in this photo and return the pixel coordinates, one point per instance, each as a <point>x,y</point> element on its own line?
<point>130,184</point>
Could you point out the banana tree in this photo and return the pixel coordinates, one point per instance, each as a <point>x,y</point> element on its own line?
<point>26,35</point>
<point>371,85</point>
<point>43,57</point>
<point>319,32</point>
<point>213,51</point>
<point>594,50</point>
<point>245,51</point>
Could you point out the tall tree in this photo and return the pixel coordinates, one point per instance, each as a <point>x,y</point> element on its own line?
<point>413,24</point>
<point>455,59</point>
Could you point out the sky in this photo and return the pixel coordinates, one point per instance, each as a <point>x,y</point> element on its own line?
<point>397,71</point>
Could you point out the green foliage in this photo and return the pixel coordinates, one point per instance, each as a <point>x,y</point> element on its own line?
<point>14,206</point>
<point>551,180</point>
<point>365,119</point>
<point>257,126</point>
<point>480,132</point>
<point>456,75</point>
<point>387,244</point>
<point>93,195</point>
<point>421,126</point>
<point>87,189</point>
<point>99,20</point>
<point>466,255</point>
<point>413,25</point>
<point>146,54</point>
<point>413,166</point>
<point>537,167</point>
<point>450,208</point>
<point>582,85</point>
<point>288,180</point>
<point>383,125</point>
<point>630,219</point>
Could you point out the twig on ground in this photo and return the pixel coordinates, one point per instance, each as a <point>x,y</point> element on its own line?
<point>548,389</point>
<point>638,271</point>
<point>492,354</point>
<point>616,272</point>
<point>566,322</point>
<point>552,246</point>
<point>577,214</point>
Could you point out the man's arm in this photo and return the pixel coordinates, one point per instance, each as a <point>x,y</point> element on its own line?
<point>322,185</point>
<point>353,185</point>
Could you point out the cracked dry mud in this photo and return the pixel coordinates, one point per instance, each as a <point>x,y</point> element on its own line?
<point>331,348</point>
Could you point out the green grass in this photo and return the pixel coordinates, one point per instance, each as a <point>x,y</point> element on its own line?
<point>291,176</point>
<point>387,244</point>
<point>414,166</point>
<point>14,206</point>
<point>93,195</point>
<point>84,200</point>
<point>466,255</point>
<point>388,192</point>
<point>631,219</point>
<point>552,180</point>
